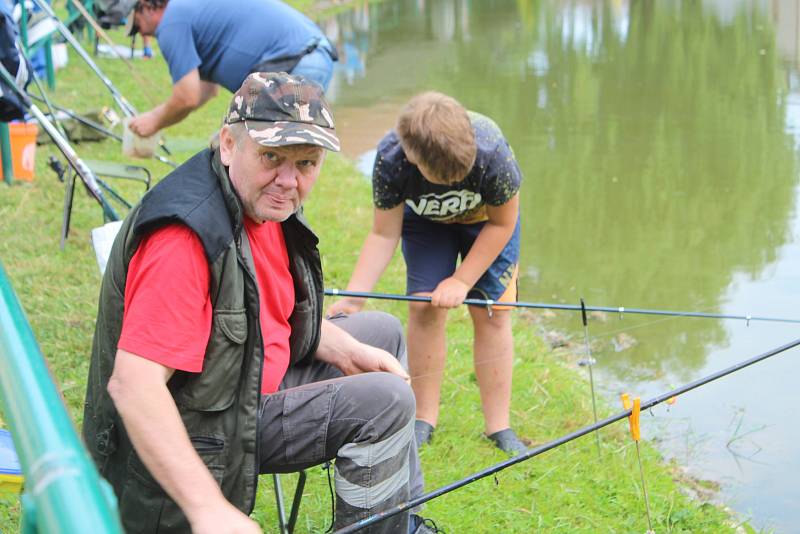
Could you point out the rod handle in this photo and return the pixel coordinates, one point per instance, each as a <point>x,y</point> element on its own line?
<point>583,312</point>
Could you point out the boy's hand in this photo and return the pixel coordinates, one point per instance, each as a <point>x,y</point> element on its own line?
<point>345,306</point>
<point>450,293</point>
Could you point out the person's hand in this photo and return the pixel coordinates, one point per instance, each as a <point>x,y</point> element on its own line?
<point>346,306</point>
<point>366,359</point>
<point>145,124</point>
<point>221,518</point>
<point>450,293</point>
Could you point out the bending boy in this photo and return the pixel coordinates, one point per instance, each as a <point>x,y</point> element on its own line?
<point>447,182</point>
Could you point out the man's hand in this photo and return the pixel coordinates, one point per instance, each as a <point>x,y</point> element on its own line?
<point>222,518</point>
<point>450,293</point>
<point>346,306</point>
<point>368,359</point>
<point>351,357</point>
<point>145,125</point>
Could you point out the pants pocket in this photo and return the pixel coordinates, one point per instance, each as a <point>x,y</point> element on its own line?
<point>306,416</point>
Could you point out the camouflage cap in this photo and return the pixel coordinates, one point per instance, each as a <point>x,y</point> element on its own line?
<point>281,109</point>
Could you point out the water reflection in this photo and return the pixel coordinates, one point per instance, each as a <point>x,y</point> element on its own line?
<point>658,142</point>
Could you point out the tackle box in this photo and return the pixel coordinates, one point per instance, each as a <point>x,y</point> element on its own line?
<point>10,471</point>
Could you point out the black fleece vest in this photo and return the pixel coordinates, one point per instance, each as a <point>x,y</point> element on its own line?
<point>218,406</point>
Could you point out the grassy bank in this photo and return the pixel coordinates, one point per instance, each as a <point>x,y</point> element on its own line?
<point>566,490</point>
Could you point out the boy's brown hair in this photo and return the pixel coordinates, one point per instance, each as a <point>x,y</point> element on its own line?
<point>436,133</point>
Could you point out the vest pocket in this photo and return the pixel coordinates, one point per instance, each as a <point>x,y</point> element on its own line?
<point>218,385</point>
<point>145,507</point>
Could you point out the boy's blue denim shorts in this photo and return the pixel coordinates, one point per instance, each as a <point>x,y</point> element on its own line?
<point>432,249</point>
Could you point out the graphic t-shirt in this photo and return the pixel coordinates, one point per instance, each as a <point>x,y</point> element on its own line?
<point>167,317</point>
<point>494,179</point>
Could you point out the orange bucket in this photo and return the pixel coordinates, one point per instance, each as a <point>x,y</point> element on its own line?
<point>23,149</point>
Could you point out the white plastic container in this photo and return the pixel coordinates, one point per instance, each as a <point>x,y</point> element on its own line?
<point>60,56</point>
<point>135,146</point>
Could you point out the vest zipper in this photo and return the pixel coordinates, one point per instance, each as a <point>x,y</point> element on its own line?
<point>260,341</point>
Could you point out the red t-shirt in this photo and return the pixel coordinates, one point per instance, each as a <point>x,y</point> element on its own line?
<point>167,317</point>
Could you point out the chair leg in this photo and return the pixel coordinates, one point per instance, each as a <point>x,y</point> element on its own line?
<point>282,526</point>
<point>298,496</point>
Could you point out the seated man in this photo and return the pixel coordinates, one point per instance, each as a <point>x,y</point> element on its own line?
<point>211,361</point>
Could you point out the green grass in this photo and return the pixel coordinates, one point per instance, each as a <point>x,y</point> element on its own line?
<point>566,490</point>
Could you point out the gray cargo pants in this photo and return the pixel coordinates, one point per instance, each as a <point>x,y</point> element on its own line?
<point>365,422</point>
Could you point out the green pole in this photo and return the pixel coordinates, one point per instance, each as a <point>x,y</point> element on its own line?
<point>48,63</point>
<point>64,493</point>
<point>89,5</point>
<point>23,27</point>
<point>5,153</point>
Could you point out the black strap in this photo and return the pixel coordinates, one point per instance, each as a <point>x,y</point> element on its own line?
<point>288,63</point>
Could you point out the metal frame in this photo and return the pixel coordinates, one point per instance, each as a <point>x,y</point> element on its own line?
<point>287,527</point>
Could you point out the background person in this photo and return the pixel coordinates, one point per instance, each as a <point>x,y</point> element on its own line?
<point>208,43</point>
<point>211,362</point>
<point>447,182</point>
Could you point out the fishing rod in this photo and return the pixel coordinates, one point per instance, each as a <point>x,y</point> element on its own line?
<point>102,33</point>
<point>126,107</point>
<point>86,174</point>
<point>80,118</point>
<point>560,441</point>
<point>568,307</point>
<point>27,62</point>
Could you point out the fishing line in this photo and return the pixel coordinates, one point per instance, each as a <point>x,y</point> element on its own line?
<point>560,441</point>
<point>126,107</point>
<point>143,86</point>
<point>589,362</point>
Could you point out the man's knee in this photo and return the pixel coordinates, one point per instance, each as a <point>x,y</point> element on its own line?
<point>397,396</point>
<point>393,336</point>
<point>383,399</point>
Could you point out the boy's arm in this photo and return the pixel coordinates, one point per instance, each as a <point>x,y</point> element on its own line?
<point>491,240</point>
<point>375,255</point>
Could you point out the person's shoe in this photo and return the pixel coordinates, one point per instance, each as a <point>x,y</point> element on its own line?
<point>422,432</point>
<point>507,441</point>
<point>418,525</point>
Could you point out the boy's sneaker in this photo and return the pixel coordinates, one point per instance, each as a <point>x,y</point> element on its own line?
<point>422,432</point>
<point>418,525</point>
<point>507,441</point>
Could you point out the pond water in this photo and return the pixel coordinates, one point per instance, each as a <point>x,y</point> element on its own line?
<point>658,141</point>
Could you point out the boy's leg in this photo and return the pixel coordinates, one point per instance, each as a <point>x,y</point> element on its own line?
<point>494,358</point>
<point>364,421</point>
<point>427,351</point>
<point>493,349</point>
<point>430,250</point>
